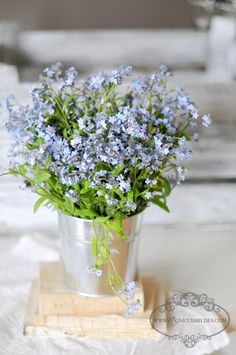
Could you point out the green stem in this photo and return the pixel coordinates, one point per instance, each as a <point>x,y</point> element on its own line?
<point>61,110</point>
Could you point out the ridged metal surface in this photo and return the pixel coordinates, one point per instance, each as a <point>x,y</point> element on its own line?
<point>76,235</point>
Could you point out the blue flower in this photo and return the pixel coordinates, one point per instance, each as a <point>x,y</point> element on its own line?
<point>133,307</point>
<point>72,195</point>
<point>158,141</point>
<point>114,251</point>
<point>54,70</point>
<point>132,286</point>
<point>138,85</point>
<point>130,206</point>
<point>94,271</point>
<point>206,120</point>
<point>180,174</point>
<point>71,75</point>
<point>148,195</point>
<point>81,130</point>
<point>182,141</point>
<point>183,102</point>
<point>97,81</point>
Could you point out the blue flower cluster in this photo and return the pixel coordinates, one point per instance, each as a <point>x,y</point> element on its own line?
<point>86,131</point>
<point>92,151</point>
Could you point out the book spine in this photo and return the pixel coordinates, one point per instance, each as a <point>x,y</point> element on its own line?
<point>69,305</point>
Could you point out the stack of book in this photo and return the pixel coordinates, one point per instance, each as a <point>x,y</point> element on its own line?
<point>54,310</point>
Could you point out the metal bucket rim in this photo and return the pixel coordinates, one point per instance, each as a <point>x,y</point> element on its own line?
<point>93,220</point>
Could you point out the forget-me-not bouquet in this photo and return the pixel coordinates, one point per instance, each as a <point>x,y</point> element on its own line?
<point>93,152</point>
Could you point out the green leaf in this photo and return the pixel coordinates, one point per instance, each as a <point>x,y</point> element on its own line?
<point>48,161</point>
<point>65,132</point>
<point>104,252</point>
<point>43,176</point>
<point>101,219</point>
<point>160,203</point>
<point>102,166</point>
<point>143,174</point>
<point>167,187</point>
<point>100,262</point>
<point>116,226</point>
<point>13,171</point>
<point>95,246</point>
<point>22,170</point>
<point>68,101</point>
<point>85,187</point>
<point>131,196</point>
<point>40,141</point>
<point>118,170</point>
<point>87,213</point>
<point>39,202</point>
<point>119,193</point>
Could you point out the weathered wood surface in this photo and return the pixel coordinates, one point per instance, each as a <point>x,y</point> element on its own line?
<point>143,48</point>
<point>8,74</point>
<point>212,56</point>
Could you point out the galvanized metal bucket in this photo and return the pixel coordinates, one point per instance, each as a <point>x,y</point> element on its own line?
<point>76,236</point>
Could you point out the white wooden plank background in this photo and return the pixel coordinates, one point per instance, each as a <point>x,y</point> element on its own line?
<point>212,55</point>
<point>143,48</point>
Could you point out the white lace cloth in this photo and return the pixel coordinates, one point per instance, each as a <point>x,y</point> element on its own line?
<point>18,266</point>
